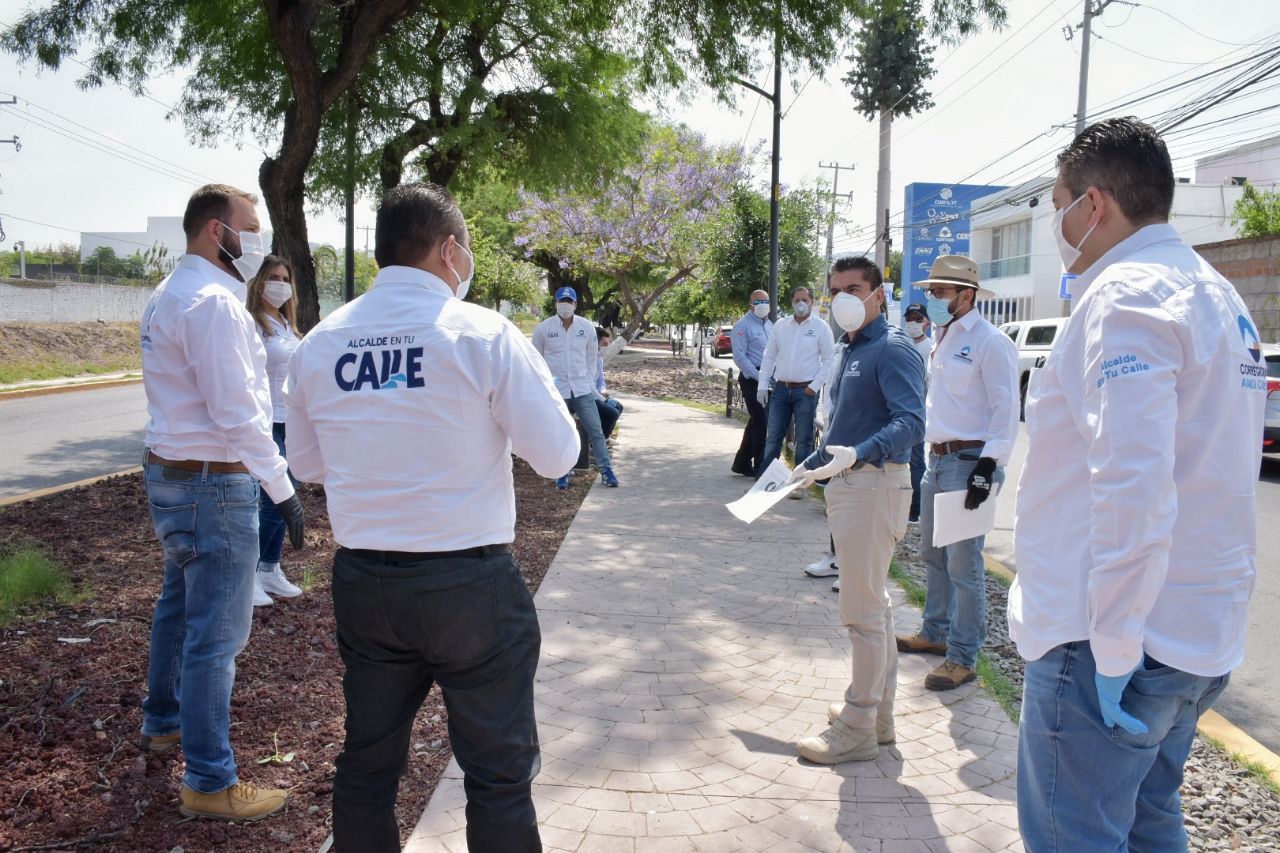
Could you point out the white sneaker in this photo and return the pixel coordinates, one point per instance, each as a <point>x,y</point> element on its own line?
<point>276,583</point>
<point>260,597</point>
<point>835,587</point>
<point>824,568</point>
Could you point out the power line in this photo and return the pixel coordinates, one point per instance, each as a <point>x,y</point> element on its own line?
<point>112,237</point>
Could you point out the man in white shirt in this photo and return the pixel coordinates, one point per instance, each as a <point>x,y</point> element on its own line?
<point>916,324</point>
<point>568,343</point>
<point>970,425</point>
<point>1135,535</point>
<point>796,361</point>
<point>407,404</point>
<point>610,409</point>
<point>209,446</point>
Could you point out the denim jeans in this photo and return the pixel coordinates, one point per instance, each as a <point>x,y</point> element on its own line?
<point>208,524</point>
<point>783,403</point>
<point>468,624</point>
<point>1083,786</point>
<point>271,526</point>
<point>917,475</point>
<point>610,410</point>
<point>751,449</point>
<point>955,607</point>
<point>589,416</point>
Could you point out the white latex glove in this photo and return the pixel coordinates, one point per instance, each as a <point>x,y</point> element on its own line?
<point>762,395</point>
<point>842,458</point>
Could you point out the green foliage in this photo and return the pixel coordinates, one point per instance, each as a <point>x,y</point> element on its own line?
<point>892,61</point>
<point>1257,214</point>
<point>331,272</point>
<point>499,276</point>
<point>28,576</point>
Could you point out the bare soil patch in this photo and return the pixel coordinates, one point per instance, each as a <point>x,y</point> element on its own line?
<point>52,350</point>
<point>70,712</point>
<point>667,378</point>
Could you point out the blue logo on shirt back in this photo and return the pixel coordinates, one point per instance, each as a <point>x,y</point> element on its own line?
<point>1250,336</point>
<point>378,370</point>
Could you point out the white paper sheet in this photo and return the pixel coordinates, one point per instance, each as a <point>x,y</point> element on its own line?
<point>953,523</point>
<point>768,490</point>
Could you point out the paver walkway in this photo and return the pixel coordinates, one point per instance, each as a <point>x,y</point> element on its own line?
<point>683,654</point>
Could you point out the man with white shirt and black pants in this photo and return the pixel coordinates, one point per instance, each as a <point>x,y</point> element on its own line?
<point>407,404</point>
<point>1135,535</point>
<point>916,325</point>
<point>971,423</point>
<point>796,362</point>
<point>209,446</point>
<point>568,343</point>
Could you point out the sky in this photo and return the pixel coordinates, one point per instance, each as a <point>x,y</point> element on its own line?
<point>1004,105</point>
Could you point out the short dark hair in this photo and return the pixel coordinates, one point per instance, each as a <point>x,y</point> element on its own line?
<point>602,332</point>
<point>412,220</point>
<point>864,265</point>
<point>796,290</point>
<point>211,201</point>
<point>1126,158</point>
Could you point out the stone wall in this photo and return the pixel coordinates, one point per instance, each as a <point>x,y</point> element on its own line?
<point>66,302</point>
<point>1253,266</point>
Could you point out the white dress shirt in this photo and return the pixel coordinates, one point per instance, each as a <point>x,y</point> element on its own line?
<point>799,352</point>
<point>1136,523</point>
<point>204,371</point>
<point>279,344</point>
<point>407,404</point>
<point>570,354</point>
<point>973,387</point>
<point>924,346</point>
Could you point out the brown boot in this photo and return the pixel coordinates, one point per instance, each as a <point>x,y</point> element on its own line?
<point>948,676</point>
<point>917,644</point>
<point>159,744</point>
<point>240,803</point>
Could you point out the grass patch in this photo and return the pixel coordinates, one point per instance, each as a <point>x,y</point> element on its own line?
<point>710,408</point>
<point>31,371</point>
<point>1256,769</point>
<point>28,576</point>
<point>310,577</point>
<point>1000,687</point>
<point>915,592</point>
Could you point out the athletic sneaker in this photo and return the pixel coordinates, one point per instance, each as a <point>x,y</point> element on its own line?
<point>563,482</point>
<point>274,582</point>
<point>824,568</point>
<point>260,597</point>
<point>606,477</point>
<point>835,587</point>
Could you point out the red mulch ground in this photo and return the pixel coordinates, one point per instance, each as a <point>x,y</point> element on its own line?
<point>70,713</point>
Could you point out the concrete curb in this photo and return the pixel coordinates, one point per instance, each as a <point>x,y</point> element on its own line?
<point>53,490</point>
<point>40,391</point>
<point>1212,724</point>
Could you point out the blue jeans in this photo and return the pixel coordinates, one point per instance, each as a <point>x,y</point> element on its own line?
<point>955,606</point>
<point>589,416</point>
<point>610,410</point>
<point>785,402</point>
<point>917,475</point>
<point>1085,787</point>
<point>271,526</point>
<point>208,524</point>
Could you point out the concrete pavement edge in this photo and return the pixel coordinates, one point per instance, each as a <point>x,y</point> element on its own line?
<point>40,391</point>
<point>53,490</point>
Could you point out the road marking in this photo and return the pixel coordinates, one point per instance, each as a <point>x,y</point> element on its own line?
<point>59,389</point>
<point>53,490</point>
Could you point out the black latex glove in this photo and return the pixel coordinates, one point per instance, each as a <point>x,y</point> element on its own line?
<point>980,482</point>
<point>294,518</point>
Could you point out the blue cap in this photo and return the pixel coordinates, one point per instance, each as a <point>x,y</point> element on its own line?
<point>566,293</point>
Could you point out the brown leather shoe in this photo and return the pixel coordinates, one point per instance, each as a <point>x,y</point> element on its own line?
<point>240,803</point>
<point>159,744</point>
<point>948,676</point>
<point>917,644</point>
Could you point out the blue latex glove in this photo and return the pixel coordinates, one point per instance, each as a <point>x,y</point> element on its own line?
<point>1110,690</point>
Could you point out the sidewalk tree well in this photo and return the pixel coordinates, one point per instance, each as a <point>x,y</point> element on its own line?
<point>647,230</point>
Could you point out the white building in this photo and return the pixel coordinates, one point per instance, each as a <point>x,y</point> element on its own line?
<point>1258,163</point>
<point>162,231</point>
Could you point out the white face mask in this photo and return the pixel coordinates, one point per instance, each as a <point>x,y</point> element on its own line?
<point>761,311</point>
<point>801,309</point>
<point>565,309</point>
<point>464,285</point>
<point>849,311</point>
<point>1070,254</point>
<point>914,328</point>
<point>252,252</point>
<point>277,293</point>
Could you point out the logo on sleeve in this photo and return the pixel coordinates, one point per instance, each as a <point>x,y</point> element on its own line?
<point>1127,364</point>
<point>1250,336</point>
<point>1254,376</point>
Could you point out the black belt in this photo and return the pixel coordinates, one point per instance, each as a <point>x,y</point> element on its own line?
<point>419,556</point>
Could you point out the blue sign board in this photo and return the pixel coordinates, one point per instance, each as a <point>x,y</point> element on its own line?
<point>937,223</point>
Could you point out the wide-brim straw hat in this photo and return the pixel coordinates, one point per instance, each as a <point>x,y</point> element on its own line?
<point>957,270</point>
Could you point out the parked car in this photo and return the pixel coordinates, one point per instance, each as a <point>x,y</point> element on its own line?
<point>1271,420</point>
<point>1034,339</point>
<point>723,343</point>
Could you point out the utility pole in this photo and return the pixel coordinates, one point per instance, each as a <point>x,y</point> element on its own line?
<point>1091,11</point>
<point>350,283</point>
<point>835,194</point>
<point>366,229</point>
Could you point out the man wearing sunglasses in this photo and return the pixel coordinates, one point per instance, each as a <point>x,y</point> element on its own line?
<point>750,337</point>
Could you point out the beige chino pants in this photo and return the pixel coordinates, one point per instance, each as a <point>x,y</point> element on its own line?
<point>867,511</point>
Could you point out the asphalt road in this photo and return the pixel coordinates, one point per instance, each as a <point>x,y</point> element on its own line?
<point>1253,695</point>
<point>60,438</point>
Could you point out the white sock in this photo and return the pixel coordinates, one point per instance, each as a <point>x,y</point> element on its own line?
<point>267,568</point>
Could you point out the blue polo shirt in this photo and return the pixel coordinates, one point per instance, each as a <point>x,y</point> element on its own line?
<point>877,397</point>
<point>750,337</point>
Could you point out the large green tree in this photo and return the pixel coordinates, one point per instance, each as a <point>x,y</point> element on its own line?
<point>1257,213</point>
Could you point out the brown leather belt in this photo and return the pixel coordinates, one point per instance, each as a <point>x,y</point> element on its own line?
<point>945,447</point>
<point>197,465</point>
<point>795,384</point>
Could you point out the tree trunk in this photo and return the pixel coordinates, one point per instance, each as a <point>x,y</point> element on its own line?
<point>882,189</point>
<point>640,307</point>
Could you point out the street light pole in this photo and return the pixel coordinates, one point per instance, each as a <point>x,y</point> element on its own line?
<point>775,189</point>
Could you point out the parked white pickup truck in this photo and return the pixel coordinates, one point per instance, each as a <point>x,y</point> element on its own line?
<point>1034,339</point>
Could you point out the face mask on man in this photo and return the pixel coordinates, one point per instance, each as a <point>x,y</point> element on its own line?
<point>760,309</point>
<point>277,293</point>
<point>252,251</point>
<point>914,328</point>
<point>801,309</point>
<point>464,285</point>
<point>565,309</point>
<point>849,312</point>
<point>1070,254</point>
<point>940,313</point>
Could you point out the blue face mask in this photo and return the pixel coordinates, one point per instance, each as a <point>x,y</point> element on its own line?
<point>939,310</point>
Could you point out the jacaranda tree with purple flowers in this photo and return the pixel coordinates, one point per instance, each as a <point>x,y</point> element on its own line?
<point>647,229</point>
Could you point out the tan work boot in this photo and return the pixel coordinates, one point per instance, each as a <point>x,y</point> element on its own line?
<point>917,644</point>
<point>241,803</point>
<point>948,676</point>
<point>159,744</point>
<point>838,744</point>
<point>884,727</point>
